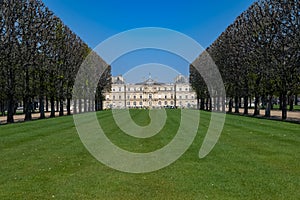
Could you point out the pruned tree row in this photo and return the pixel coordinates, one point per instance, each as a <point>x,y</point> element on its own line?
<point>39,59</point>
<point>258,57</point>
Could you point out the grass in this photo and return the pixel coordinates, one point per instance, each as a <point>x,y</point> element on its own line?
<point>254,159</point>
<point>296,107</point>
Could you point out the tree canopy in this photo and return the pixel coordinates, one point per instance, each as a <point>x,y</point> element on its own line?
<point>39,59</point>
<point>258,56</point>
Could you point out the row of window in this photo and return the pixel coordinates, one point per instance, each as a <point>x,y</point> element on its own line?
<point>141,103</point>
<point>159,89</point>
<point>150,97</point>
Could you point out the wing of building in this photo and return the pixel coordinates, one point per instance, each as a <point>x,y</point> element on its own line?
<point>150,94</point>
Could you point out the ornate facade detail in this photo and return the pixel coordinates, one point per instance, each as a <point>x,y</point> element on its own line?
<point>150,94</point>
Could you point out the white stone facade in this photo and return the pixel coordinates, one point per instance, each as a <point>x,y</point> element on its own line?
<point>150,94</point>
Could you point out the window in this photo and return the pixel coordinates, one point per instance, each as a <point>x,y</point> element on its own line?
<point>114,97</point>
<point>128,97</point>
<point>186,89</point>
<point>166,97</point>
<point>166,103</point>
<point>141,103</point>
<point>134,97</point>
<point>150,96</point>
<point>180,97</point>
<point>120,97</point>
<point>119,89</point>
<point>141,89</point>
<point>114,89</point>
<point>171,96</point>
<point>128,89</point>
<point>141,96</point>
<point>171,102</point>
<point>186,96</point>
<point>128,103</point>
<point>159,103</point>
<point>180,89</point>
<point>134,103</point>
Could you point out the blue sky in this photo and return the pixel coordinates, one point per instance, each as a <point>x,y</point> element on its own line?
<point>96,20</point>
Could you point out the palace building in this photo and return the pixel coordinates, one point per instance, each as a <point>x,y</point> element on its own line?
<point>150,94</point>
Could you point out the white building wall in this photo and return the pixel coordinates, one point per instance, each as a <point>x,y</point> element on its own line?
<point>145,95</point>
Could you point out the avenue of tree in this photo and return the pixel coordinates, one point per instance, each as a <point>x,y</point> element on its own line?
<point>39,59</point>
<point>258,58</point>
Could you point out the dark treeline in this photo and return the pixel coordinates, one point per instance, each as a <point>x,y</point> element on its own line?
<point>39,59</point>
<point>258,58</point>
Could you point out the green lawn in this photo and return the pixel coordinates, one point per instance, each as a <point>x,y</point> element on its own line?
<point>296,107</point>
<point>254,159</point>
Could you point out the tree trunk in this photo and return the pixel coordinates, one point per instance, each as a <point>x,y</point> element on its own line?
<point>85,105</point>
<point>230,105</point>
<point>80,106</point>
<point>246,109</point>
<point>100,103</point>
<point>47,104</point>
<point>52,104</point>
<point>296,99</point>
<point>28,109</point>
<point>214,103</point>
<point>291,103</point>
<point>256,106</point>
<point>68,106</point>
<point>268,106</point>
<point>61,107</point>
<point>10,110</point>
<point>272,104</point>
<point>202,103</point>
<point>97,106</point>
<point>250,102</point>
<point>92,106</point>
<point>236,104</point>
<point>89,103</point>
<point>74,106</point>
<point>280,102</point>
<point>218,104</point>
<point>57,105</point>
<point>42,108</point>
<point>27,99</point>
<point>2,108</point>
<point>223,104</point>
<point>284,105</point>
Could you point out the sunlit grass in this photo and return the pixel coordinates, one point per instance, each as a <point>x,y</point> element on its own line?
<point>254,159</point>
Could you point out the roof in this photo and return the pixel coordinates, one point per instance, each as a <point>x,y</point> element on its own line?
<point>149,81</point>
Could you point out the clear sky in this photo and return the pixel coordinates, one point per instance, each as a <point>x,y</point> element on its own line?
<point>96,20</point>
